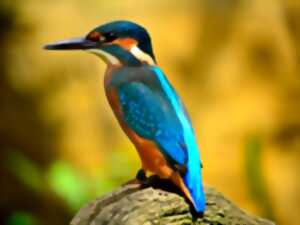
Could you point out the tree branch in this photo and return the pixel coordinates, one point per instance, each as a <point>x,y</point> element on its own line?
<point>134,204</point>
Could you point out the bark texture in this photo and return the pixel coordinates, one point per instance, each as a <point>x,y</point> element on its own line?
<point>133,204</point>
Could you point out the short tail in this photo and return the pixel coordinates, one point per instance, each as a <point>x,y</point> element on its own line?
<point>193,182</point>
<point>194,192</point>
<point>193,178</point>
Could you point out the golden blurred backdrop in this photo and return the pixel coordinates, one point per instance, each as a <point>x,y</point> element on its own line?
<point>234,62</point>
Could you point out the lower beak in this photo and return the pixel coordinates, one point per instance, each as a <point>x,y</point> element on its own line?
<point>72,44</point>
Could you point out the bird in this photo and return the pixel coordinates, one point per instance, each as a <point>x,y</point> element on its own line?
<point>146,105</point>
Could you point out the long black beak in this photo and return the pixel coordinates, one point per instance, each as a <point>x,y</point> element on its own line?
<point>72,44</point>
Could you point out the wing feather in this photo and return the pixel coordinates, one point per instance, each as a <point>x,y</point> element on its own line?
<point>151,116</point>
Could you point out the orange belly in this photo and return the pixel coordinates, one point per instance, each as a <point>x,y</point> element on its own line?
<point>151,157</point>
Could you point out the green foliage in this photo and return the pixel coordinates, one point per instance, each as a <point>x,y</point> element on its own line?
<point>66,181</point>
<point>22,218</point>
<point>25,170</point>
<point>70,186</point>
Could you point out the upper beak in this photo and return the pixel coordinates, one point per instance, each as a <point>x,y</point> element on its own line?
<point>72,44</point>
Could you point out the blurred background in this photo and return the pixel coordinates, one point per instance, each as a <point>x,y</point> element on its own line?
<point>234,62</point>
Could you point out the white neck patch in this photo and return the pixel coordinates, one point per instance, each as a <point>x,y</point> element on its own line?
<point>142,56</point>
<point>108,58</point>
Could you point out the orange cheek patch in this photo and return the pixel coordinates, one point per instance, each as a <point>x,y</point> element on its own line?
<point>126,43</point>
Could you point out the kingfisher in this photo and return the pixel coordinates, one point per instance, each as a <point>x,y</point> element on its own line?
<point>146,105</point>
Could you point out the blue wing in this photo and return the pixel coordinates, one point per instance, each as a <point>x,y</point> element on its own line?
<point>151,117</point>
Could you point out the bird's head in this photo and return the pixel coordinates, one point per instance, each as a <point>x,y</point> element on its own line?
<point>119,42</point>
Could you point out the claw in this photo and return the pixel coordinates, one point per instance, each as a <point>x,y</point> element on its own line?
<point>141,175</point>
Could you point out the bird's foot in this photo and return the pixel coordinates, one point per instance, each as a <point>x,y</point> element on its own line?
<point>141,176</point>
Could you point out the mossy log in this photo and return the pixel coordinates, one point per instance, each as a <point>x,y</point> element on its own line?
<point>135,204</point>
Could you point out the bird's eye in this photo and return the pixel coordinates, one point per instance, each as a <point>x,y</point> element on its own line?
<point>94,36</point>
<point>109,37</point>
